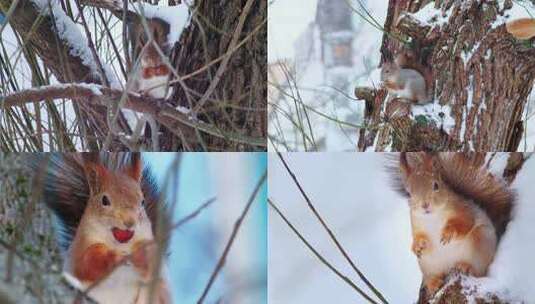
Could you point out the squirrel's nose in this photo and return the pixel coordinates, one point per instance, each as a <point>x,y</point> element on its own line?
<point>129,222</point>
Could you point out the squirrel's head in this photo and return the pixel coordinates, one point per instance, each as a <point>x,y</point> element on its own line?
<point>116,202</point>
<point>388,69</point>
<point>422,181</point>
<point>152,37</point>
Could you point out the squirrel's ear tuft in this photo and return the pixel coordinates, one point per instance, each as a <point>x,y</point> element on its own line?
<point>95,173</point>
<point>135,169</point>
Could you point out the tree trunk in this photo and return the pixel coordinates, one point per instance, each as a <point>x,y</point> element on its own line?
<point>238,102</point>
<point>482,77</point>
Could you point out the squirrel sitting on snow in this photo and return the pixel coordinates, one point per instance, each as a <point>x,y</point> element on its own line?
<point>523,28</point>
<point>107,208</point>
<point>458,214</point>
<point>406,78</point>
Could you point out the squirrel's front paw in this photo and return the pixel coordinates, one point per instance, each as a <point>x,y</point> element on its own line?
<point>97,261</point>
<point>143,254</point>
<point>448,233</point>
<point>420,244</point>
<point>434,283</point>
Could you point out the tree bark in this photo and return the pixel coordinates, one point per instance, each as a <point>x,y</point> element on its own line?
<point>482,74</point>
<point>239,101</point>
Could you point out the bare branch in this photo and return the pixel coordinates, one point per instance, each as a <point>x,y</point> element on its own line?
<point>331,234</point>
<point>319,256</point>
<point>237,225</point>
<point>96,94</point>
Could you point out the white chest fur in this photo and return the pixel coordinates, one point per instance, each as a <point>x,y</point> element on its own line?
<point>124,284</point>
<point>441,258</point>
<point>156,86</point>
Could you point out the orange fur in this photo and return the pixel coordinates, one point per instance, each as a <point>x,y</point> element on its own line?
<point>142,257</point>
<point>107,203</point>
<point>458,225</point>
<point>464,268</point>
<point>160,70</point>
<point>434,283</point>
<point>420,243</point>
<point>93,262</point>
<point>122,209</point>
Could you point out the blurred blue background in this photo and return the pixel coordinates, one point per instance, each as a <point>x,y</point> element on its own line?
<point>197,245</point>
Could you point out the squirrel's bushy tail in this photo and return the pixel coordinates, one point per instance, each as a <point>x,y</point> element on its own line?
<point>476,183</point>
<point>64,189</point>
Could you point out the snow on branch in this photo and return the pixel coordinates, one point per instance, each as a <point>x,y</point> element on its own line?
<point>177,16</point>
<point>69,32</point>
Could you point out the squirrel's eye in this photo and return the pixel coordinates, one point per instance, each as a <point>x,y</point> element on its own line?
<point>143,203</point>
<point>435,186</point>
<point>105,201</point>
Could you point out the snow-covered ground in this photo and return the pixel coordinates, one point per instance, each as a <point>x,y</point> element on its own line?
<point>352,193</point>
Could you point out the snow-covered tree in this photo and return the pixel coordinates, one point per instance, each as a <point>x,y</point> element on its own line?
<point>66,68</point>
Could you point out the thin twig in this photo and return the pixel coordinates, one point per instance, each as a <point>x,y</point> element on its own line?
<point>163,113</point>
<point>331,234</point>
<point>319,256</point>
<point>237,225</point>
<point>193,214</point>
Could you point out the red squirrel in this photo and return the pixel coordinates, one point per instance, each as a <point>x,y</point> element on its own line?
<point>406,78</point>
<point>107,207</point>
<point>153,76</point>
<point>523,28</point>
<point>458,210</point>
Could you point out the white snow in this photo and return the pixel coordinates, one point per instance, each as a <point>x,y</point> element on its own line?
<point>95,88</point>
<point>183,110</point>
<point>435,112</point>
<point>176,16</point>
<point>510,275</point>
<point>429,15</point>
<point>71,33</point>
<point>523,9</point>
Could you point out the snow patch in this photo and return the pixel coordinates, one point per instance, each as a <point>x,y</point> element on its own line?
<point>429,15</point>
<point>183,110</point>
<point>71,34</point>
<point>435,112</point>
<point>95,88</point>
<point>467,55</point>
<point>519,10</point>
<point>176,16</point>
